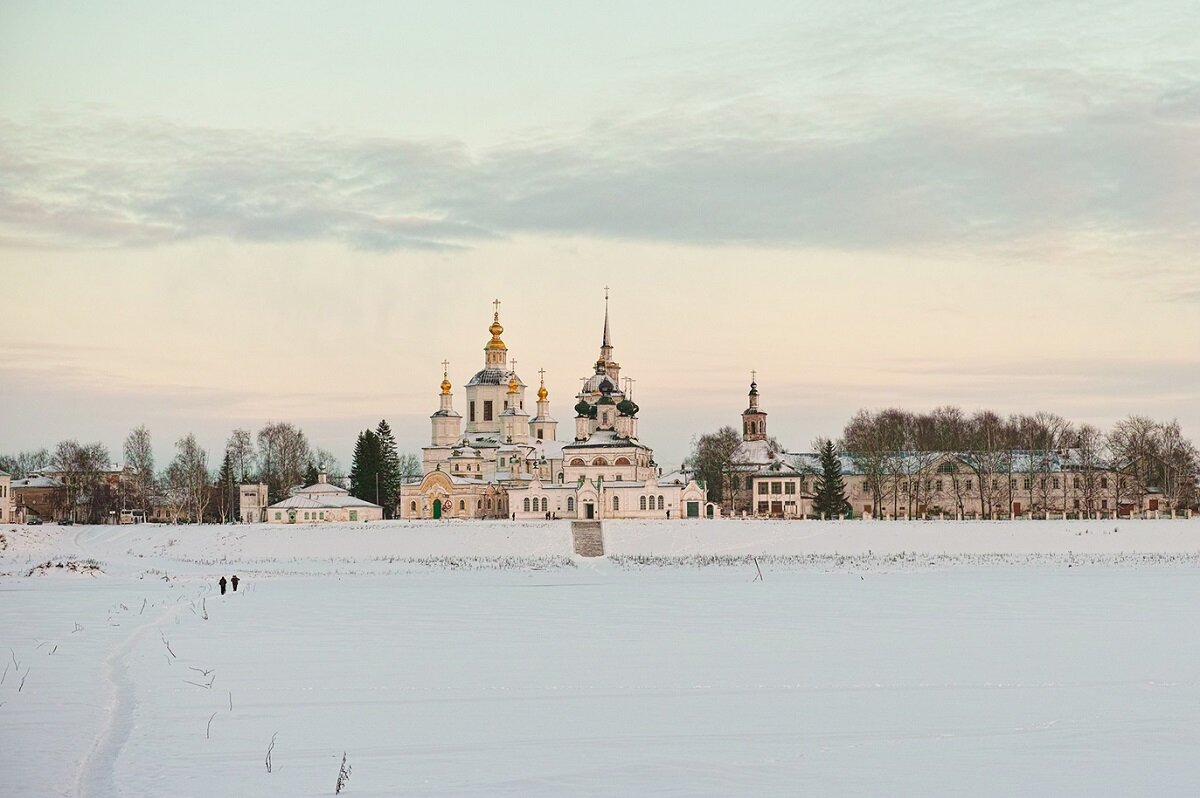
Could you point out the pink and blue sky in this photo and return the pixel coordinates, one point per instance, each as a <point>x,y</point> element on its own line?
<point>214,215</point>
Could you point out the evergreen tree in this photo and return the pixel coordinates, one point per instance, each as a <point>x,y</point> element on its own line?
<point>311,473</point>
<point>830,500</point>
<point>365,482</point>
<point>390,476</point>
<point>226,489</point>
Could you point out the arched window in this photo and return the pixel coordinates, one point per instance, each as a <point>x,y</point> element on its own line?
<point>642,503</point>
<point>560,477</point>
<point>578,461</point>
<point>599,461</point>
<point>526,504</point>
<point>570,504</point>
<point>545,504</point>
<point>489,504</point>
<point>622,461</point>
<point>616,503</point>
<point>479,505</point>
<point>662,505</point>
<point>462,506</point>
<point>413,506</point>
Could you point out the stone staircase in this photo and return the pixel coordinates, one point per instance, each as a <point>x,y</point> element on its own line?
<point>588,537</point>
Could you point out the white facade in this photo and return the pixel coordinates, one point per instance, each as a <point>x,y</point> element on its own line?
<point>7,503</point>
<point>252,503</point>
<point>322,503</point>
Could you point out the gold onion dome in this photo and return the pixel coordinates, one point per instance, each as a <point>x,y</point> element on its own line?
<point>513,385</point>
<point>495,330</point>
<point>542,393</point>
<point>445,384</point>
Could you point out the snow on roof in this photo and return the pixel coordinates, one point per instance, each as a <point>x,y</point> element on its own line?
<point>494,376</point>
<point>607,438</point>
<point>755,453</point>
<point>37,481</point>
<point>321,488</point>
<point>320,502</point>
<point>675,478</point>
<point>551,450</point>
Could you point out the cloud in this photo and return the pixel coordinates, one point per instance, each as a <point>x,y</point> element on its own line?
<point>923,129</point>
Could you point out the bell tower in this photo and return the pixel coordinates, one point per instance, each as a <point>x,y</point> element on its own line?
<point>754,419</point>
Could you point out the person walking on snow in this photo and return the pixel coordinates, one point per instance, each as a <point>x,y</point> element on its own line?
<point>234,582</point>
<point>222,584</point>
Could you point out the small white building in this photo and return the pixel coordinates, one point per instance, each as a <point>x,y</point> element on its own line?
<point>7,505</point>
<point>322,502</point>
<point>252,503</point>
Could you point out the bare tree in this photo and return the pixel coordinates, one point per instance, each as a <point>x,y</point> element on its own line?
<point>410,466</point>
<point>23,464</point>
<point>83,470</point>
<point>1178,463</point>
<point>240,448</point>
<point>714,458</point>
<point>283,456</point>
<point>139,459</point>
<point>188,477</point>
<point>1132,443</point>
<point>1089,462</point>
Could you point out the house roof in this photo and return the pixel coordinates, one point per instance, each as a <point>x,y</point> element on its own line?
<point>37,481</point>
<point>320,502</point>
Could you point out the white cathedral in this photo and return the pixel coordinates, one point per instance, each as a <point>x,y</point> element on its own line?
<point>505,464</point>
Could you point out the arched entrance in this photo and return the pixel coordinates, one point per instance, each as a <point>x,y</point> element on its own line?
<point>437,509</point>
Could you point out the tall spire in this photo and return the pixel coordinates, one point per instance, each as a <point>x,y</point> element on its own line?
<point>607,343</point>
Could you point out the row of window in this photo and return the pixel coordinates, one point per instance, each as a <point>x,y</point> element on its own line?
<point>645,503</point>
<point>462,506</point>
<point>489,410</point>
<point>579,462</point>
<point>931,485</point>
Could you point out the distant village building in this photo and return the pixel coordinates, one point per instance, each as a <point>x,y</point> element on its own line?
<point>252,503</point>
<point>767,481</point>
<point>39,496</point>
<point>506,464</point>
<point>7,503</point>
<point>322,502</point>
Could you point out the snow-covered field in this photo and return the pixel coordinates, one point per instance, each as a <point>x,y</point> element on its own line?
<point>936,658</point>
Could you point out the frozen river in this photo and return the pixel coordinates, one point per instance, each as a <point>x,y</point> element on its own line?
<point>594,679</point>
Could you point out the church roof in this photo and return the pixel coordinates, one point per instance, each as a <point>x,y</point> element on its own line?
<point>755,453</point>
<point>493,376</point>
<point>601,383</point>
<point>605,438</point>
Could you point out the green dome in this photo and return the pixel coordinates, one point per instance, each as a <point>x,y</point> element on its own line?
<point>583,408</point>
<point>606,400</point>
<point>627,408</point>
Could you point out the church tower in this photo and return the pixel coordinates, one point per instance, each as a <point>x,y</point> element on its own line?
<point>447,423</point>
<point>514,421</point>
<point>754,419</point>
<point>543,427</point>
<point>487,396</point>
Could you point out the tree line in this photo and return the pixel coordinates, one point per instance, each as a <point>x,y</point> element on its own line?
<point>193,488</point>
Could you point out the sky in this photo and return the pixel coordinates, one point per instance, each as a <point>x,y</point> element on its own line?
<point>215,215</point>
